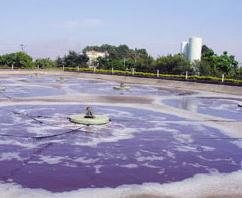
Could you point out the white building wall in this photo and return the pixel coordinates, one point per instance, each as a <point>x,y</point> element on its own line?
<point>192,49</point>
<point>94,55</point>
<point>184,48</point>
<point>195,49</point>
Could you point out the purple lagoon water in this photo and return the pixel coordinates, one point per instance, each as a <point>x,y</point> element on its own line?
<point>138,146</point>
<point>219,107</point>
<point>42,85</point>
<point>40,149</point>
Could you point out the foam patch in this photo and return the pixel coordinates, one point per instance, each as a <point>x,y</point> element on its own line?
<point>200,186</point>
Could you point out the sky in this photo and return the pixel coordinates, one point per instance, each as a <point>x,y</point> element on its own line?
<point>50,28</point>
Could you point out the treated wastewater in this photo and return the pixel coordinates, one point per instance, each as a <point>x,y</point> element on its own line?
<point>41,149</point>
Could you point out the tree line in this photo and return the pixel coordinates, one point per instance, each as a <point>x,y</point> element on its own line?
<point>23,60</point>
<point>123,58</point>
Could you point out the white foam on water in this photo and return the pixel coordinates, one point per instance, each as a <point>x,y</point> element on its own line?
<point>186,148</point>
<point>224,106</point>
<point>14,142</point>
<point>149,158</point>
<point>114,135</point>
<point>98,169</point>
<point>51,159</point>
<point>169,154</point>
<point>207,148</point>
<point>183,138</point>
<point>166,129</point>
<point>150,165</point>
<point>119,113</point>
<point>217,159</point>
<point>70,164</point>
<point>41,130</point>
<point>199,127</point>
<point>8,156</point>
<point>5,125</point>
<point>130,166</point>
<point>238,143</point>
<point>200,186</point>
<point>45,129</point>
<point>100,134</point>
<point>85,160</point>
<point>64,160</point>
<point>161,171</point>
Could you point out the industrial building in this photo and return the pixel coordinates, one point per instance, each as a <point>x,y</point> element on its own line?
<point>192,49</point>
<point>94,55</point>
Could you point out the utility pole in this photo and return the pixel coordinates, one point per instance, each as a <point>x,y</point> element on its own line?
<point>22,46</point>
<point>135,57</point>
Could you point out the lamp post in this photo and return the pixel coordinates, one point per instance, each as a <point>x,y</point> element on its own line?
<point>22,47</point>
<point>222,78</point>
<point>132,71</point>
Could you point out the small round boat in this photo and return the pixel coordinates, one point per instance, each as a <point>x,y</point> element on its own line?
<point>23,80</point>
<point>60,79</point>
<point>2,88</point>
<point>97,120</point>
<point>121,88</point>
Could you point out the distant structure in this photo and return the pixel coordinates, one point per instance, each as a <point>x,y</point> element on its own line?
<point>192,49</point>
<point>184,48</point>
<point>94,55</point>
<point>22,46</point>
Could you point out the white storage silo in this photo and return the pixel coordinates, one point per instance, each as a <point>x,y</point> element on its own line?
<point>195,49</point>
<point>184,48</point>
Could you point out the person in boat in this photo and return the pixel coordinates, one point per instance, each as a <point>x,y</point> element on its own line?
<point>89,113</point>
<point>122,84</point>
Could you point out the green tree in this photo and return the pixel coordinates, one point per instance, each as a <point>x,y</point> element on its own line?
<point>2,62</point>
<point>118,64</point>
<point>23,60</point>
<point>135,58</point>
<point>44,63</point>
<point>145,64</point>
<point>18,59</point>
<point>59,62</point>
<point>73,59</point>
<point>239,73</point>
<point>173,64</point>
<point>207,52</point>
<point>226,63</point>
<point>203,68</point>
<point>104,62</point>
<point>213,64</point>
